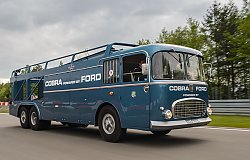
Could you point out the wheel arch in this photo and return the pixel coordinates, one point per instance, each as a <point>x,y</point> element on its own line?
<point>101,107</point>
<point>28,106</point>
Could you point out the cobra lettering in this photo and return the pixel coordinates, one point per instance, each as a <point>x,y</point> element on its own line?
<point>178,88</point>
<point>53,83</point>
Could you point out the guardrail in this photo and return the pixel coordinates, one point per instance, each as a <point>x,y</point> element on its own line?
<point>4,103</point>
<point>231,107</point>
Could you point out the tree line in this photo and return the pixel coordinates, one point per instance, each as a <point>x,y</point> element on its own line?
<point>224,38</point>
<point>5,94</point>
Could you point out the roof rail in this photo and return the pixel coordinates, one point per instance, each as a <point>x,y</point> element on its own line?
<point>108,51</point>
<point>110,46</point>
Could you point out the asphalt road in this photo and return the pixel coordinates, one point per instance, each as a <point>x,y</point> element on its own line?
<point>62,143</point>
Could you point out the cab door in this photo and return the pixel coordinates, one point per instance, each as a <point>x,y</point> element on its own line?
<point>135,97</point>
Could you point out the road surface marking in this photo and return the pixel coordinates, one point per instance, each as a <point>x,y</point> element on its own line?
<point>226,129</point>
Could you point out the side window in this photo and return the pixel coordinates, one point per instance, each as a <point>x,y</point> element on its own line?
<point>132,68</point>
<point>33,91</point>
<point>111,71</point>
<point>37,89</point>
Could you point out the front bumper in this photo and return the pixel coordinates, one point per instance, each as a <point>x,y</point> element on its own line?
<point>159,125</point>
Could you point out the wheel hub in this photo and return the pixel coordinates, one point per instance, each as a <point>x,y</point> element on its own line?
<point>23,116</point>
<point>108,124</point>
<point>33,118</point>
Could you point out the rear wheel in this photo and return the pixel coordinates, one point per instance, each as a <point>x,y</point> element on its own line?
<point>109,125</point>
<point>161,133</point>
<point>24,118</point>
<point>35,123</point>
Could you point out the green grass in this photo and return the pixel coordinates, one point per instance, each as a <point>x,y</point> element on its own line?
<point>4,109</point>
<point>230,121</point>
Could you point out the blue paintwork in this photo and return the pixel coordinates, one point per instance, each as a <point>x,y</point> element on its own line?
<point>76,104</point>
<point>166,98</point>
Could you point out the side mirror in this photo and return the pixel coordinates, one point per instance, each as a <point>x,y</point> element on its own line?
<point>210,69</point>
<point>145,68</point>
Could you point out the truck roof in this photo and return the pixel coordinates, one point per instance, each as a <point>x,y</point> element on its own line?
<point>152,48</point>
<point>107,51</point>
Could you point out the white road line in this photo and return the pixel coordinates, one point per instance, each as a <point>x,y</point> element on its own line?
<point>225,129</point>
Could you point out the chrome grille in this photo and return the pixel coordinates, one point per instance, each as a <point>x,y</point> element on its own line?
<point>189,108</point>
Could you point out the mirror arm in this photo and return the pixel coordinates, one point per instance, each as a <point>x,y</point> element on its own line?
<point>210,69</point>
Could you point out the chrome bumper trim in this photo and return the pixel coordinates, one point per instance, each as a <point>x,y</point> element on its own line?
<point>160,125</point>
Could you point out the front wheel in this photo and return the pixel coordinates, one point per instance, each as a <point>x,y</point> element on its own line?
<point>109,125</point>
<point>35,123</point>
<point>161,133</point>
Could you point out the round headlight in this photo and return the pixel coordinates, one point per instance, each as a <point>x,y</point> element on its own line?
<point>168,114</point>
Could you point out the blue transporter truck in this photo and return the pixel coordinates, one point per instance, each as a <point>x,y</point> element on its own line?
<point>156,88</point>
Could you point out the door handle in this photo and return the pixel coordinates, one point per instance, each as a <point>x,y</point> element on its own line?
<point>146,88</point>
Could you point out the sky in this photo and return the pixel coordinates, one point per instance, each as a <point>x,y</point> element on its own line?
<point>33,31</point>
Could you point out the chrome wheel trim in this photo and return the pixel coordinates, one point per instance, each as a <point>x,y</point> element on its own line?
<point>23,117</point>
<point>33,118</point>
<point>108,123</point>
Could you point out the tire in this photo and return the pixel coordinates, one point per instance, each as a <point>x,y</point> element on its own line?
<point>24,118</point>
<point>35,123</point>
<point>109,125</point>
<point>161,133</point>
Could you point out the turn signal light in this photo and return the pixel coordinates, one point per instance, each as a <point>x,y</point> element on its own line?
<point>209,110</point>
<point>111,93</point>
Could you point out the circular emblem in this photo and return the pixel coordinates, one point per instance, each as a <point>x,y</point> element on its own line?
<point>111,72</point>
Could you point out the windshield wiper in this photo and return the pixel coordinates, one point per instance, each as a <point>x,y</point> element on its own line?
<point>180,61</point>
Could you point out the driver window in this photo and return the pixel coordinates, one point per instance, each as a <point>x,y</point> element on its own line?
<point>132,70</point>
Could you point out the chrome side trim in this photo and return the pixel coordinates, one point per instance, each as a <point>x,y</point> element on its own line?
<point>115,86</point>
<point>163,125</point>
<point>94,88</point>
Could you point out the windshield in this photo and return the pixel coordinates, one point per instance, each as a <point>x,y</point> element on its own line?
<point>170,65</point>
<point>194,67</point>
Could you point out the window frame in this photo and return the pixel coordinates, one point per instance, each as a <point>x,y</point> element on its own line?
<point>122,66</point>
<point>185,65</point>
<point>116,74</point>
